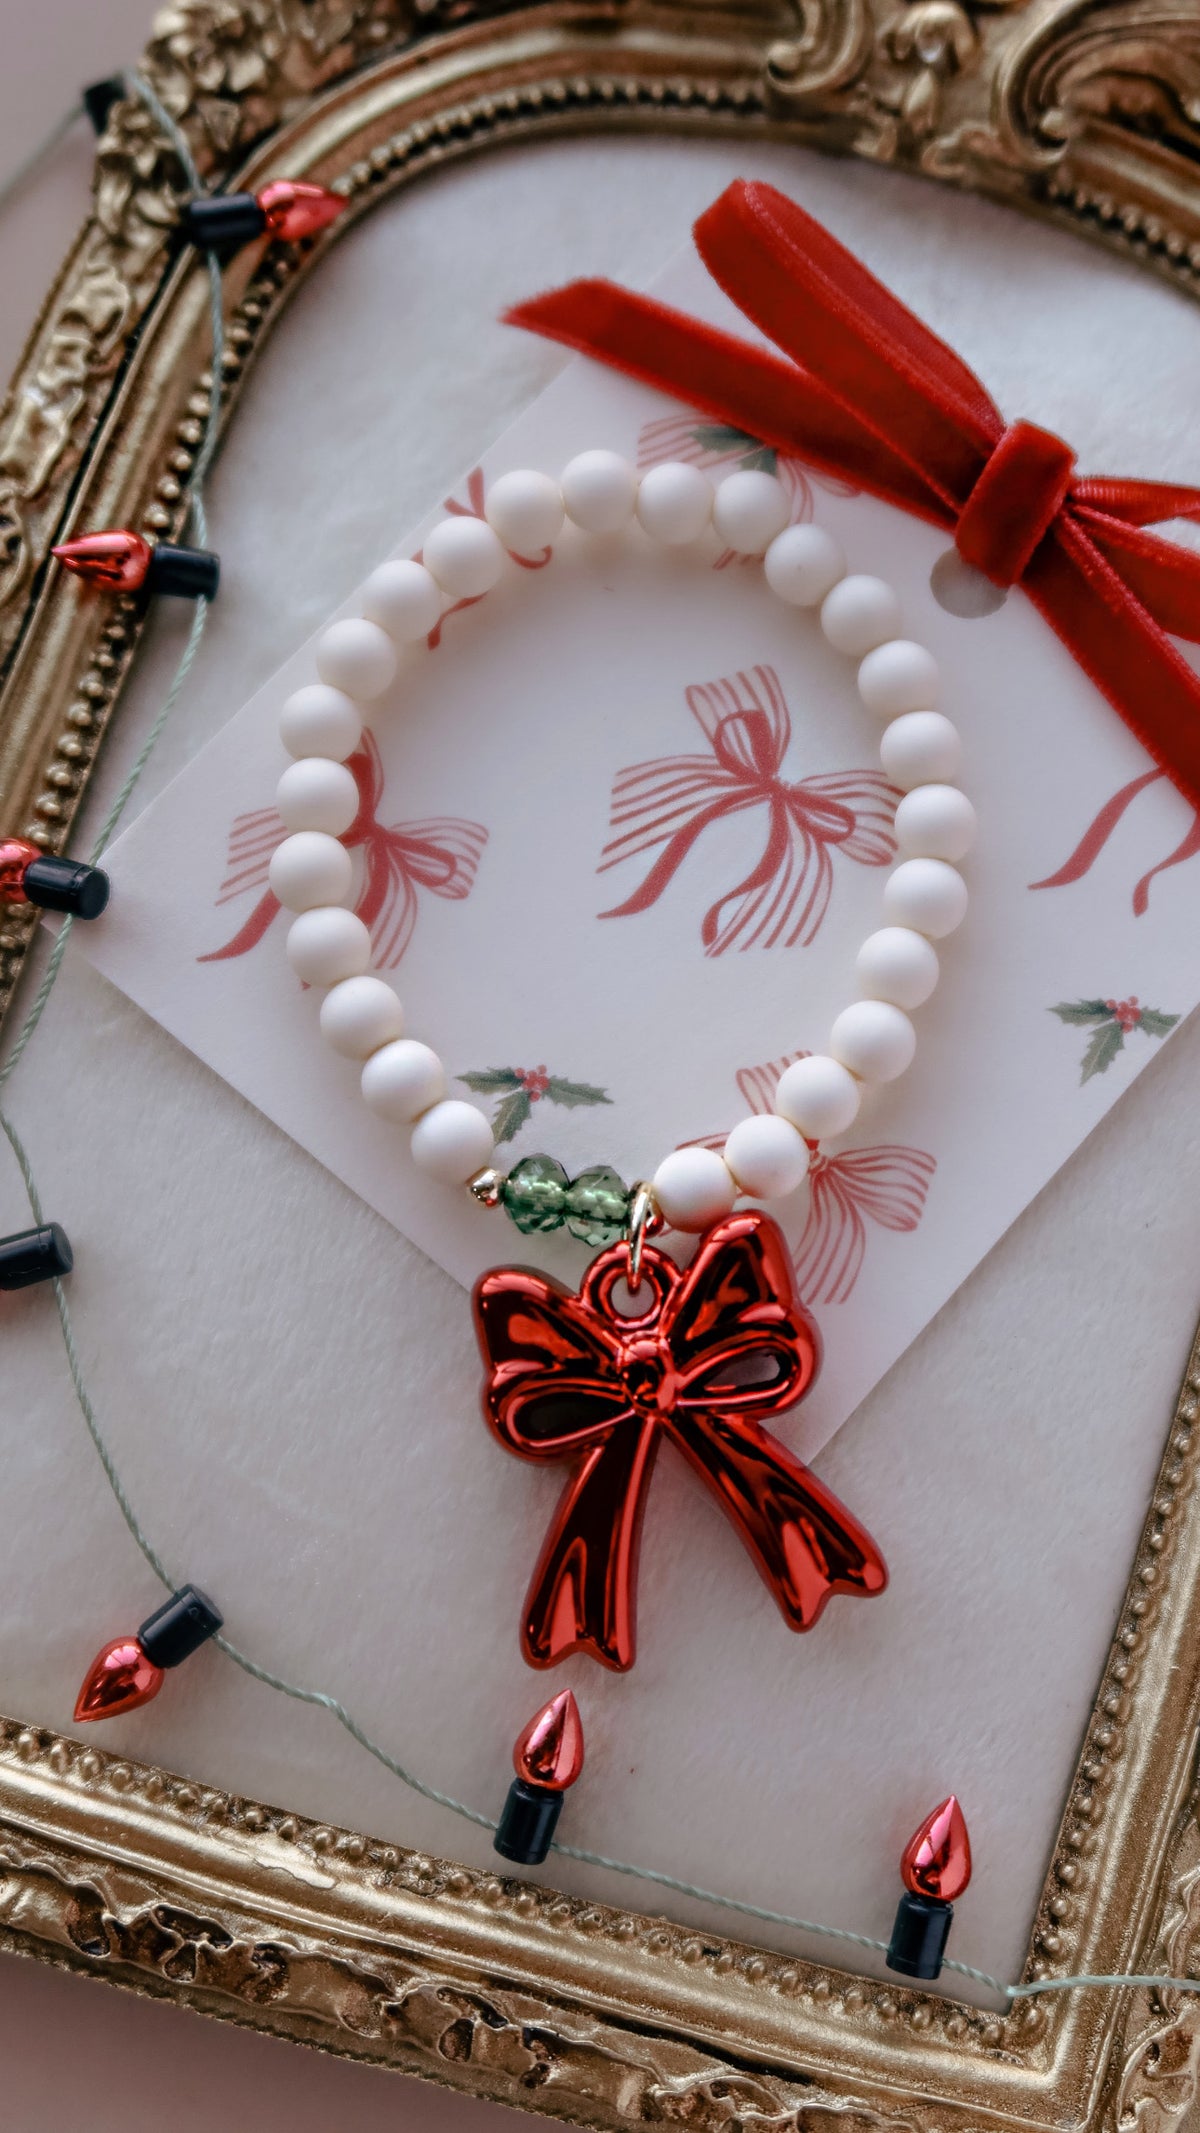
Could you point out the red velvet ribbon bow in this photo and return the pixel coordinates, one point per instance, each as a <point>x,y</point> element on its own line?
<point>573,1377</point>
<point>441,855</point>
<point>869,394</point>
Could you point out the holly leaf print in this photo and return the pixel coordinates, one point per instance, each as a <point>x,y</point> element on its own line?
<point>1105,1043</point>
<point>488,1079</point>
<point>574,1093</point>
<point>1153,1023</point>
<point>510,1113</point>
<point>1082,1012</point>
<point>721,437</point>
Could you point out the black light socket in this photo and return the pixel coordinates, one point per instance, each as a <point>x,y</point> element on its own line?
<point>919,1935</point>
<point>34,1255</point>
<point>65,885</point>
<point>528,1823</point>
<point>223,222</point>
<point>189,573</point>
<point>99,97</point>
<point>179,1627</point>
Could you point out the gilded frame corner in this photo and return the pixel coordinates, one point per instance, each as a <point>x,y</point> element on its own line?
<point>1083,111</point>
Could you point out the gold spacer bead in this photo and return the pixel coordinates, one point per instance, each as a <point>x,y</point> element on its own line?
<point>487,1185</point>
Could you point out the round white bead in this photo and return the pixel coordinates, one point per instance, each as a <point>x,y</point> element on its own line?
<point>675,503</point>
<point>750,508</point>
<point>452,1141</point>
<point>859,614</point>
<point>875,1040</point>
<point>317,794</point>
<point>318,720</point>
<point>899,676</point>
<point>465,557</point>
<point>525,510</point>
<point>403,599</point>
<point>357,656</point>
<point>922,748</point>
<point>694,1188</point>
<point>359,1015</point>
<point>767,1157</point>
<point>310,868</point>
<point>818,1096</point>
<point>402,1079</point>
<point>802,564</point>
<point>936,822</point>
<point>599,491</point>
<point>927,895</point>
<point>899,965</point>
<point>327,944</point>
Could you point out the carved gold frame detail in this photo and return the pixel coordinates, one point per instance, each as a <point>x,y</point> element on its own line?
<point>1084,111</point>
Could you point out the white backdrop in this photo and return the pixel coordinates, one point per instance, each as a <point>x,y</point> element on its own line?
<point>289,1384</point>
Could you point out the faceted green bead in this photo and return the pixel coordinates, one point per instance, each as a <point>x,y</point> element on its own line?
<point>535,1193</point>
<point>597,1206</point>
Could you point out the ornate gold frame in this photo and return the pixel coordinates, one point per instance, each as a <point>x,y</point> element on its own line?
<point>1084,111</point>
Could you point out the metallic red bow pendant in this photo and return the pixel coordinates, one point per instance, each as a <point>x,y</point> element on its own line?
<point>573,1377</point>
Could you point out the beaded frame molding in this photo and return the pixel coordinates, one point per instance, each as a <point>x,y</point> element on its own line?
<point>1083,111</point>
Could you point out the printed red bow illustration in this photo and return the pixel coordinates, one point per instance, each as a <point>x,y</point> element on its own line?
<point>862,389</point>
<point>441,855</point>
<point>669,803</point>
<point>571,1377</point>
<point>887,1185</point>
<point>1098,832</point>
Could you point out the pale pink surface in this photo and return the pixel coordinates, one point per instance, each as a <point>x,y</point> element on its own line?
<point>73,2053</point>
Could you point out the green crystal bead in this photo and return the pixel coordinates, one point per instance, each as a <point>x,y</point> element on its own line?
<point>535,1193</point>
<point>597,1206</point>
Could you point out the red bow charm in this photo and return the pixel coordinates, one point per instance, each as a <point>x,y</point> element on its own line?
<point>669,803</point>
<point>441,856</point>
<point>863,390</point>
<point>573,1377</point>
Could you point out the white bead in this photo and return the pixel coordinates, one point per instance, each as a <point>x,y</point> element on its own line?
<point>465,557</point>
<point>899,676</point>
<point>402,1079</point>
<point>936,822</point>
<point>403,599</point>
<point>327,944</point>
<point>802,564</point>
<point>899,965</point>
<point>525,510</point>
<point>599,491</point>
<point>859,614</point>
<point>694,1188</point>
<point>310,868</point>
<point>357,656</point>
<point>927,895</point>
<point>750,508</point>
<point>818,1096</point>
<point>922,748</point>
<point>317,794</point>
<point>452,1142</point>
<point>767,1157</point>
<point>875,1040</point>
<point>318,720</point>
<point>359,1015</point>
<point>675,503</point>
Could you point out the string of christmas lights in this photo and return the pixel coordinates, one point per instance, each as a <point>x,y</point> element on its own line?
<point>548,1754</point>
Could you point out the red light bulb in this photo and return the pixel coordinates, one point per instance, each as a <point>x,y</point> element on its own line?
<point>119,1679</point>
<point>937,1857</point>
<point>295,209</point>
<point>549,1752</point>
<point>15,856</point>
<point>118,561</point>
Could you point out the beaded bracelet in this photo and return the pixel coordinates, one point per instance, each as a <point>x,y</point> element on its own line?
<point>925,897</point>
